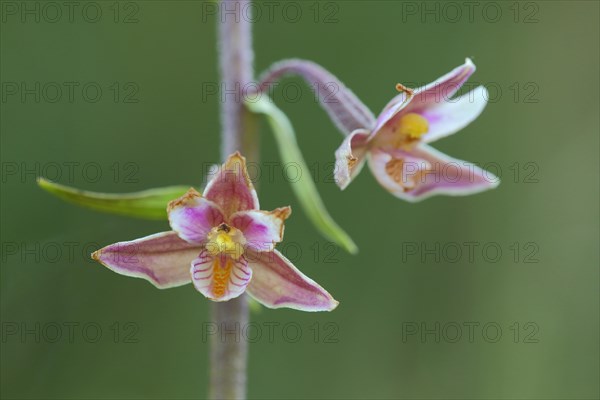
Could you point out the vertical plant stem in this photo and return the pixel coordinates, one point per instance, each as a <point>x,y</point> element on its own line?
<point>235,61</point>
<point>229,351</point>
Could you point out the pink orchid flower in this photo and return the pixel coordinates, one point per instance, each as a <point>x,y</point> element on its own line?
<point>396,144</point>
<point>222,243</point>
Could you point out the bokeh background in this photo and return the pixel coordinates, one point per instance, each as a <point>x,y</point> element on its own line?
<point>156,124</point>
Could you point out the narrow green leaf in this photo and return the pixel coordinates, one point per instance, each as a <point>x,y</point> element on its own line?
<point>304,188</point>
<point>147,204</point>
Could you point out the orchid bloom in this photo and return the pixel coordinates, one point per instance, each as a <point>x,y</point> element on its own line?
<point>397,149</point>
<point>222,243</point>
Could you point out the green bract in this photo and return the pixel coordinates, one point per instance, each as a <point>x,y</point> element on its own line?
<point>147,204</point>
<point>304,188</point>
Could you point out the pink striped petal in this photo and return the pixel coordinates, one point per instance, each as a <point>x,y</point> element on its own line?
<point>350,157</point>
<point>193,216</point>
<point>231,188</point>
<point>425,172</point>
<point>451,116</point>
<point>220,278</point>
<point>261,229</point>
<point>163,259</point>
<point>277,283</point>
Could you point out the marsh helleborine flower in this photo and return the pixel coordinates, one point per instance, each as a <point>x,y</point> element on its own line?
<point>222,243</point>
<point>396,144</point>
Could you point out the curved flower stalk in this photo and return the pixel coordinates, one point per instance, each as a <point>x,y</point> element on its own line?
<point>396,144</point>
<point>224,245</point>
<point>344,108</point>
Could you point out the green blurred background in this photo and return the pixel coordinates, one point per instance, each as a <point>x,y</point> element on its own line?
<point>155,125</point>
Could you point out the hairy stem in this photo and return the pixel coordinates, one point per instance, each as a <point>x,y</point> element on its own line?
<point>229,352</point>
<point>235,61</point>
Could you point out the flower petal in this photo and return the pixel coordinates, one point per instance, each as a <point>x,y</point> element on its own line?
<point>425,172</point>
<point>350,157</point>
<point>231,188</point>
<point>220,278</point>
<point>451,116</point>
<point>277,283</point>
<point>442,89</point>
<point>261,229</point>
<point>163,259</point>
<point>193,216</point>
<point>392,109</point>
<point>424,97</point>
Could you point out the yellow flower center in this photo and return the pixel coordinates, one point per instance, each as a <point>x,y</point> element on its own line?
<point>227,240</point>
<point>413,125</point>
